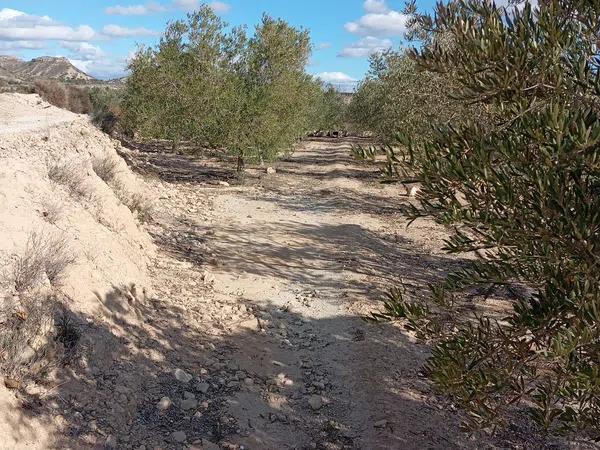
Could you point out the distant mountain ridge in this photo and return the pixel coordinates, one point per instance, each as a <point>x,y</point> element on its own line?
<point>44,67</point>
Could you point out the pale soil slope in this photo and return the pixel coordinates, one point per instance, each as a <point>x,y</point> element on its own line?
<point>100,232</point>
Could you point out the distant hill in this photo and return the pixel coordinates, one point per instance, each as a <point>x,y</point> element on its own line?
<point>44,67</point>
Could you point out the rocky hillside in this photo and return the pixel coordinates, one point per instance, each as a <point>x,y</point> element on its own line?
<point>44,67</point>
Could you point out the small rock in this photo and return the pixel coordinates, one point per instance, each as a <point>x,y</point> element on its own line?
<point>182,375</point>
<point>164,404</point>
<point>188,395</point>
<point>380,424</point>
<point>248,381</point>
<point>11,383</point>
<point>223,183</point>
<point>250,324</point>
<point>178,436</point>
<point>27,354</point>
<point>189,403</point>
<point>203,387</point>
<point>315,402</point>
<point>271,170</point>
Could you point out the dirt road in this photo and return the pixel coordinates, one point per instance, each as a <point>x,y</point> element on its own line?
<point>295,260</point>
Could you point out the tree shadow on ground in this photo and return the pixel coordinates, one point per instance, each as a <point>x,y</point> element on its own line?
<point>331,162</point>
<point>155,159</point>
<point>190,165</point>
<point>124,363</point>
<point>331,199</point>
<point>307,254</point>
<point>107,395</point>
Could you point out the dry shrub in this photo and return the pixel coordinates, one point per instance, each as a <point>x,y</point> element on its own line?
<point>141,206</point>
<point>70,174</point>
<point>25,343</point>
<point>35,337</point>
<point>53,211</point>
<point>67,331</point>
<point>48,256</point>
<point>78,100</point>
<point>138,204</point>
<point>105,167</point>
<point>73,98</point>
<point>52,91</point>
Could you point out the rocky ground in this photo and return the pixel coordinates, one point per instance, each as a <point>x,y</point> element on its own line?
<point>261,290</point>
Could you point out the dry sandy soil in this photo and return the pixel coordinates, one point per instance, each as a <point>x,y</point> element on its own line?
<point>250,332</point>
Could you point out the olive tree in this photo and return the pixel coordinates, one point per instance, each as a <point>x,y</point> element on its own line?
<point>217,87</point>
<point>398,96</point>
<point>524,190</point>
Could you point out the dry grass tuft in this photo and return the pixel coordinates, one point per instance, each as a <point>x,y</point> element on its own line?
<point>139,204</point>
<point>26,346</point>
<point>106,167</point>
<point>70,175</point>
<point>53,211</point>
<point>48,256</point>
<point>34,337</point>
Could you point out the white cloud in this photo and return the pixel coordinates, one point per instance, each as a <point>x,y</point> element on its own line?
<point>324,45</point>
<point>19,26</point>
<point>135,10</point>
<point>84,50</point>
<point>186,4</point>
<point>190,5</point>
<point>376,6</point>
<point>392,23</point>
<point>366,47</point>
<point>220,7</point>
<point>105,68</point>
<point>335,77</point>
<point>21,45</point>
<point>95,62</point>
<point>117,31</point>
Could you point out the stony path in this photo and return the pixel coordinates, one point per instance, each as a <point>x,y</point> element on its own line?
<point>273,279</point>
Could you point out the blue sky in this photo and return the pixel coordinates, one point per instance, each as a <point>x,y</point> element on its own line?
<point>99,36</point>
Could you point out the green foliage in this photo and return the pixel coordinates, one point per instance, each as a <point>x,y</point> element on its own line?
<point>523,188</point>
<point>276,93</point>
<point>396,307</point>
<point>106,107</point>
<point>215,86</point>
<point>392,161</point>
<point>185,88</point>
<point>329,110</point>
<point>399,97</point>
